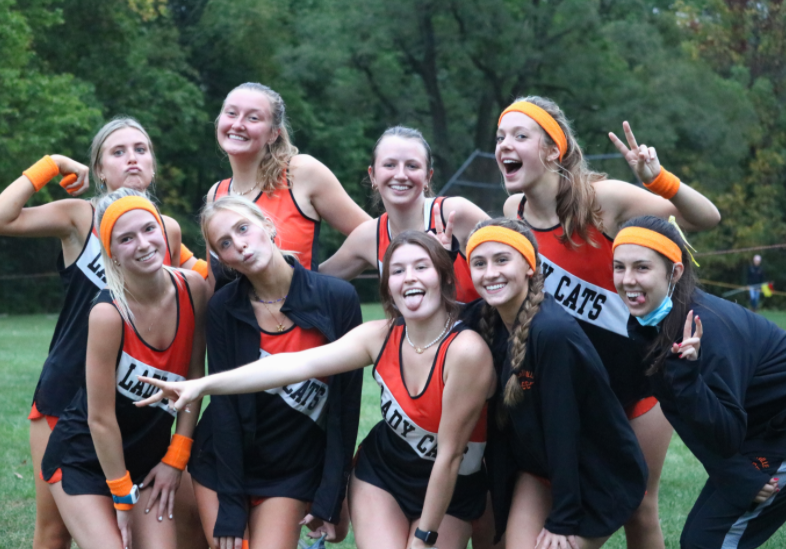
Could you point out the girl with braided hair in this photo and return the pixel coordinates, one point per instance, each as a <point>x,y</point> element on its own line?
<point>574,214</point>
<point>565,467</point>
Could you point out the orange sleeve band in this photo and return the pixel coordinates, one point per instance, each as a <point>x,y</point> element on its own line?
<point>179,452</point>
<point>185,254</point>
<point>41,172</point>
<point>201,267</point>
<point>122,486</point>
<point>666,184</point>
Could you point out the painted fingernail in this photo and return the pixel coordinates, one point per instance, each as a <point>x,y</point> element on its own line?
<point>147,511</point>
<point>160,518</point>
<point>171,516</point>
<point>680,355</point>
<point>141,485</point>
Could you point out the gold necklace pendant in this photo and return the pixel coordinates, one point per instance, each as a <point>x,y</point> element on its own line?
<point>419,350</point>
<point>280,328</point>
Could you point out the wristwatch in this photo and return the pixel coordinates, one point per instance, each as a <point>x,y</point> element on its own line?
<point>131,498</point>
<point>430,538</point>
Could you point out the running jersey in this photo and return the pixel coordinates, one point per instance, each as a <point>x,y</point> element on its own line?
<point>465,290</point>
<point>296,232</point>
<point>145,431</point>
<point>64,369</point>
<point>582,281</point>
<point>402,448</point>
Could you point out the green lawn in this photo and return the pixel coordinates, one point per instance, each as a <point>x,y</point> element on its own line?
<point>23,344</point>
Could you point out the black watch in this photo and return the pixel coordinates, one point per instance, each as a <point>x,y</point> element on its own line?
<point>429,538</point>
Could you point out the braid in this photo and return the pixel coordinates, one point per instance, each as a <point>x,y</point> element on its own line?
<point>518,339</point>
<point>488,323</point>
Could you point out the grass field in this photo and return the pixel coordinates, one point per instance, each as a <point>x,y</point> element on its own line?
<point>23,345</point>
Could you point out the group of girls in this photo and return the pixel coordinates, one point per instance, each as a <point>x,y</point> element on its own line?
<point>556,391</point>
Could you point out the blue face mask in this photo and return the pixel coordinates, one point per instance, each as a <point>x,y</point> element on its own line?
<point>654,317</point>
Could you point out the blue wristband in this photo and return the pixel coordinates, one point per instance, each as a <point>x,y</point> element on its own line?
<point>130,499</point>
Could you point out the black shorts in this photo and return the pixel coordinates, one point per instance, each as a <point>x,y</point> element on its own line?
<point>411,504</point>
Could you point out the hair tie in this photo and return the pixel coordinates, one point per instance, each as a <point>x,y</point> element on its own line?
<point>117,209</point>
<point>503,235</point>
<point>544,120</point>
<point>688,247</point>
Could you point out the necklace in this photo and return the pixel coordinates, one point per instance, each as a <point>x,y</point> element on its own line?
<point>279,325</point>
<point>244,193</point>
<point>419,350</point>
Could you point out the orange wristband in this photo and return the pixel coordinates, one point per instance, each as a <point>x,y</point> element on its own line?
<point>41,172</point>
<point>666,184</point>
<point>185,254</point>
<point>179,452</point>
<point>201,267</point>
<point>121,487</point>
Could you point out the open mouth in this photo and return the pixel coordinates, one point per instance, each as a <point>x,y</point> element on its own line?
<point>492,288</point>
<point>400,188</point>
<point>234,137</point>
<point>414,297</point>
<point>635,298</point>
<point>511,166</point>
<point>147,257</point>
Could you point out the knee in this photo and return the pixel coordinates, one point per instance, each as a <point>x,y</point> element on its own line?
<point>53,537</point>
<point>646,516</point>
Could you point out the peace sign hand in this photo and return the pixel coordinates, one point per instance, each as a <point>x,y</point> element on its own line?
<point>642,160</point>
<point>444,234</point>
<point>689,348</point>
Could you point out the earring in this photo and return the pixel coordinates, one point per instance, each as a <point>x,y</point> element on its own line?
<point>116,262</point>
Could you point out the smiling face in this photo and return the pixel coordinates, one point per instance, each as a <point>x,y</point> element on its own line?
<point>521,153</point>
<point>137,243</point>
<point>126,161</point>
<point>641,278</point>
<point>245,125</point>
<point>241,243</point>
<point>414,283</point>
<point>400,172</point>
<point>501,276</point>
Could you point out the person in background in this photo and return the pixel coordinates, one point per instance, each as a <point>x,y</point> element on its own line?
<point>754,279</point>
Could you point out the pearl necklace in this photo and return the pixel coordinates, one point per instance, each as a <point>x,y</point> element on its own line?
<point>419,350</point>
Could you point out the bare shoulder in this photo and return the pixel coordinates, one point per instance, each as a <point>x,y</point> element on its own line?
<point>172,226</point>
<point>469,346</point>
<point>104,317</point>
<point>197,285</point>
<point>511,207</point>
<point>211,193</point>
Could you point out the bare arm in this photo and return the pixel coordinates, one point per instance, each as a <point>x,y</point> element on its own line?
<point>511,207</point>
<point>174,239</point>
<point>620,203</point>
<point>327,196</point>
<point>467,215</point>
<point>103,343</point>
<point>469,382</point>
<point>355,350</point>
<point>356,254</point>
<point>62,219</point>
<point>186,422</point>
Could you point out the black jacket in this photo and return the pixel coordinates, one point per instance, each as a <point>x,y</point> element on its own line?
<point>570,429</point>
<point>314,301</point>
<point>730,404</point>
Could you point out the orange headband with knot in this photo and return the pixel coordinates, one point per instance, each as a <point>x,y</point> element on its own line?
<point>544,120</point>
<point>118,208</point>
<point>649,239</point>
<point>495,233</point>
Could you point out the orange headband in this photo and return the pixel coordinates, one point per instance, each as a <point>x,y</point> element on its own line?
<point>544,120</point>
<point>649,239</point>
<point>118,208</point>
<point>495,233</point>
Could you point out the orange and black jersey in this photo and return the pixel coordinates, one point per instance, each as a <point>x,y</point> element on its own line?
<point>399,452</point>
<point>465,290</point>
<point>145,431</point>
<point>569,429</point>
<point>582,281</point>
<point>296,232</point>
<point>294,441</point>
<point>64,369</point>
